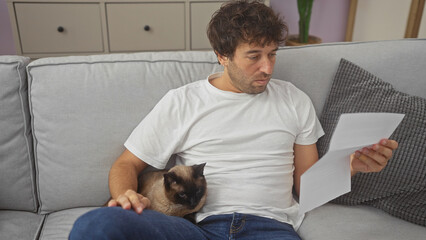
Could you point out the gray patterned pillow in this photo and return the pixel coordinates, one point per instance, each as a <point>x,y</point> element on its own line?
<point>400,188</point>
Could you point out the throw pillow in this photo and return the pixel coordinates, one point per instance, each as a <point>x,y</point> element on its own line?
<point>400,188</point>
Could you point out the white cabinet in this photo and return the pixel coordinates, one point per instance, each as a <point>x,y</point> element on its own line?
<point>59,28</point>
<point>146,26</point>
<point>201,13</point>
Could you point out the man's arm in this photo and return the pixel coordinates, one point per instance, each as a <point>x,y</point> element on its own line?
<point>123,183</point>
<point>304,157</point>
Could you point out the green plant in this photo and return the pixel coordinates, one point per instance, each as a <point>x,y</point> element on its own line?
<point>305,10</point>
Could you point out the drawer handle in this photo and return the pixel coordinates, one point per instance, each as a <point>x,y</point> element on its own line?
<point>147,28</point>
<point>61,29</point>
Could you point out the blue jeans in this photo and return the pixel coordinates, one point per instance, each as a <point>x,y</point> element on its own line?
<point>116,223</point>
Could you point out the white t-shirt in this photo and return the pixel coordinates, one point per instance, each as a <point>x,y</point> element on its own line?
<point>246,140</point>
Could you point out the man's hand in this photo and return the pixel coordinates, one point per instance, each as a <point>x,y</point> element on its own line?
<point>131,200</point>
<point>374,158</point>
<point>123,182</point>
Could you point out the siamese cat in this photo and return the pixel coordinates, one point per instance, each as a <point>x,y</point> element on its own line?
<point>180,191</point>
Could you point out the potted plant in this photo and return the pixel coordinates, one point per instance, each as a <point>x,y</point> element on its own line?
<point>305,9</point>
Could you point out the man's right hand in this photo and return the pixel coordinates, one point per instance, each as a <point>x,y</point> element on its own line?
<point>130,200</point>
<point>123,182</point>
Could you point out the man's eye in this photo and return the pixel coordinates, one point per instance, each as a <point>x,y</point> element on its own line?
<point>253,57</point>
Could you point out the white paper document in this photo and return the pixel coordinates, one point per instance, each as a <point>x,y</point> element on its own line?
<point>330,177</point>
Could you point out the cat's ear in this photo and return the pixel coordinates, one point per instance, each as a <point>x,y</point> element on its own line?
<point>199,169</point>
<point>169,179</point>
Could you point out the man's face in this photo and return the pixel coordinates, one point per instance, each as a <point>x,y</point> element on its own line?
<point>250,70</point>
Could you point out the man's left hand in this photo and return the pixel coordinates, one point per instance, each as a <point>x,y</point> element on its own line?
<point>373,158</point>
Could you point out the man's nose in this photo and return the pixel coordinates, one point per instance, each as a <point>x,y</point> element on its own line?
<point>267,66</point>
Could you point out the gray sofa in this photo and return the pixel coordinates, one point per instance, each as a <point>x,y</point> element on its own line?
<point>63,122</point>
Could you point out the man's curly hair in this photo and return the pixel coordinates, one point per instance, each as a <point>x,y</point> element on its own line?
<point>244,22</point>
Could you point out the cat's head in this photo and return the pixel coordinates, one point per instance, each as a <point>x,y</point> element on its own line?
<point>186,185</point>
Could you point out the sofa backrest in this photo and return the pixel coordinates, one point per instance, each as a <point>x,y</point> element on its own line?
<point>84,108</point>
<point>17,183</point>
<point>312,68</point>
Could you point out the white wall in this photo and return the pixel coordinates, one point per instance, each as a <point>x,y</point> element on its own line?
<point>328,19</point>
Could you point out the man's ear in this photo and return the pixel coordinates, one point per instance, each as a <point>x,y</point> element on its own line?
<point>223,60</point>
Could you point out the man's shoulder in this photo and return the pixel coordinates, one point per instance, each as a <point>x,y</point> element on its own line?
<point>188,91</point>
<point>287,89</point>
<point>192,86</point>
<point>282,85</point>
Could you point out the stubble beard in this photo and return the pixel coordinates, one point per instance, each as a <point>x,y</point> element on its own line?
<point>243,83</point>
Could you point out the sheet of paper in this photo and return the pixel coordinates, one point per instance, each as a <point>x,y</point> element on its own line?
<point>330,177</point>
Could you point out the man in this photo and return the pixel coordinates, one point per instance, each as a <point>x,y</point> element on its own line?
<point>256,134</point>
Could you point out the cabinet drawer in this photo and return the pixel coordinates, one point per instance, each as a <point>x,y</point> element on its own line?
<point>59,28</point>
<point>146,26</point>
<point>201,14</point>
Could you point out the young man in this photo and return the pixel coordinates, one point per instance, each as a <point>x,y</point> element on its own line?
<point>256,134</point>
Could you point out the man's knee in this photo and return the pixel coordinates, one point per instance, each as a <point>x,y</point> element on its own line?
<point>102,223</point>
<point>117,223</point>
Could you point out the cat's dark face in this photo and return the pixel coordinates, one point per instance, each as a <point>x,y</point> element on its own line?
<point>186,185</point>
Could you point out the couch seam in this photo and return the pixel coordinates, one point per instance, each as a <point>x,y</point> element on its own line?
<point>27,141</point>
<point>35,142</point>
<point>123,61</point>
<point>41,228</point>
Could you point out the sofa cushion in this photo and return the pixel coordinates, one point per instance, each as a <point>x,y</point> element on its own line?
<point>400,188</point>
<point>58,225</point>
<point>17,185</point>
<point>332,221</point>
<point>84,108</point>
<point>20,225</point>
